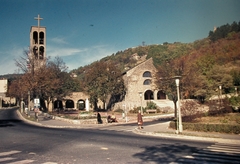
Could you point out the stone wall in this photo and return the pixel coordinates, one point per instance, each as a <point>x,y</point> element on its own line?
<point>134,81</point>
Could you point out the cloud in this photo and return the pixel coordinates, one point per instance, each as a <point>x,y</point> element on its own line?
<point>62,51</point>
<point>8,67</point>
<point>8,58</point>
<point>58,40</point>
<point>87,56</point>
<point>73,57</point>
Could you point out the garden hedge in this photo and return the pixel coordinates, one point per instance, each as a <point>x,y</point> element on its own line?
<point>221,128</point>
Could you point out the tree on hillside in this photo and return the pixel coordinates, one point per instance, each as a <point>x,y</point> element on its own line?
<point>192,83</point>
<point>166,83</point>
<point>103,81</point>
<point>235,73</point>
<point>222,31</point>
<point>219,76</point>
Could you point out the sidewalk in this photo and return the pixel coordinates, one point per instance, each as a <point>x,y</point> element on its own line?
<point>154,126</point>
<point>161,129</point>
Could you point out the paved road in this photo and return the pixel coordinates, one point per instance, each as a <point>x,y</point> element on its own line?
<point>23,143</point>
<point>216,153</point>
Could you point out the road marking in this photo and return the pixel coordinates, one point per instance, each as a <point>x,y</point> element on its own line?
<point>104,148</point>
<point>9,152</point>
<point>10,160</point>
<point>6,159</point>
<point>227,148</point>
<point>22,161</point>
<point>216,153</point>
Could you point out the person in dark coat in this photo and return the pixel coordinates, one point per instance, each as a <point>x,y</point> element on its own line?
<point>139,120</point>
<point>99,119</point>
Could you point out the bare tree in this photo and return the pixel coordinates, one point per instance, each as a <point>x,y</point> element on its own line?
<point>44,78</point>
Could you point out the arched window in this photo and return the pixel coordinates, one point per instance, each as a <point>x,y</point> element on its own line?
<point>69,104</point>
<point>161,95</point>
<point>147,74</point>
<point>41,38</point>
<point>81,104</point>
<point>41,53</point>
<point>58,104</point>
<point>35,37</point>
<point>35,50</point>
<point>148,95</point>
<point>147,82</point>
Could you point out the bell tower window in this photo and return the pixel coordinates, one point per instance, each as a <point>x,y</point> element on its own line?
<point>41,38</point>
<point>41,53</point>
<point>35,37</point>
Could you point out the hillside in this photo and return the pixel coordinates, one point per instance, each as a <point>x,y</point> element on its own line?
<point>204,65</point>
<point>9,76</point>
<point>222,46</point>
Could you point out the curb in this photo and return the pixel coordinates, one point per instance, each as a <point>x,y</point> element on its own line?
<point>26,120</point>
<point>78,125</point>
<point>185,137</point>
<point>136,131</point>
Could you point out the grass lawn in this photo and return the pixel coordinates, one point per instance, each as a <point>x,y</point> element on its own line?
<point>228,118</point>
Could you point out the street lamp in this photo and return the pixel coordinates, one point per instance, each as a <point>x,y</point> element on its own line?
<point>0,101</point>
<point>140,94</point>
<point>22,105</point>
<point>29,104</point>
<point>178,106</point>
<point>220,95</point>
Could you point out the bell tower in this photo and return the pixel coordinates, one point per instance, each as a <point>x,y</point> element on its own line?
<point>38,42</point>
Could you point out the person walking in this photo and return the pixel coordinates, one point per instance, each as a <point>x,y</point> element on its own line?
<point>36,110</point>
<point>139,120</point>
<point>99,119</point>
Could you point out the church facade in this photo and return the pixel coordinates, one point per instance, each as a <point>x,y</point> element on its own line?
<point>141,88</point>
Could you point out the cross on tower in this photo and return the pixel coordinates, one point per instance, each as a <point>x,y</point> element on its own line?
<point>38,18</point>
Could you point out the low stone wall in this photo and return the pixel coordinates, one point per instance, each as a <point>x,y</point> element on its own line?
<point>85,121</point>
<point>80,121</point>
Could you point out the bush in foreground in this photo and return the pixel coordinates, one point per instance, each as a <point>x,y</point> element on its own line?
<point>221,128</point>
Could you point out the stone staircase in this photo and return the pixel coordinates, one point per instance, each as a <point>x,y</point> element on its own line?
<point>164,103</point>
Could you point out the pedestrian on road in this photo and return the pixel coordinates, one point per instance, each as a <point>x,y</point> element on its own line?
<point>36,110</point>
<point>139,120</point>
<point>99,119</point>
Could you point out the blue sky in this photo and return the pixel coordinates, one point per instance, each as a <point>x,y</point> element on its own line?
<point>83,31</point>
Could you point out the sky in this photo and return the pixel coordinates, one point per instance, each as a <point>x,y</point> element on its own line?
<point>83,31</point>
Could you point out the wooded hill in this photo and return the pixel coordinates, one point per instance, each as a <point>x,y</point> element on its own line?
<point>211,60</point>
<point>223,44</point>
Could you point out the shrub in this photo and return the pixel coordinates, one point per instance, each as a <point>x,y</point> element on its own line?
<point>151,105</point>
<point>234,102</point>
<point>165,110</point>
<point>119,110</point>
<point>189,109</point>
<point>221,128</point>
<point>135,110</point>
<point>219,108</point>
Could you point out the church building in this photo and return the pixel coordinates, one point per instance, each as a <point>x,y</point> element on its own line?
<point>141,88</point>
<point>139,81</point>
<point>37,49</point>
